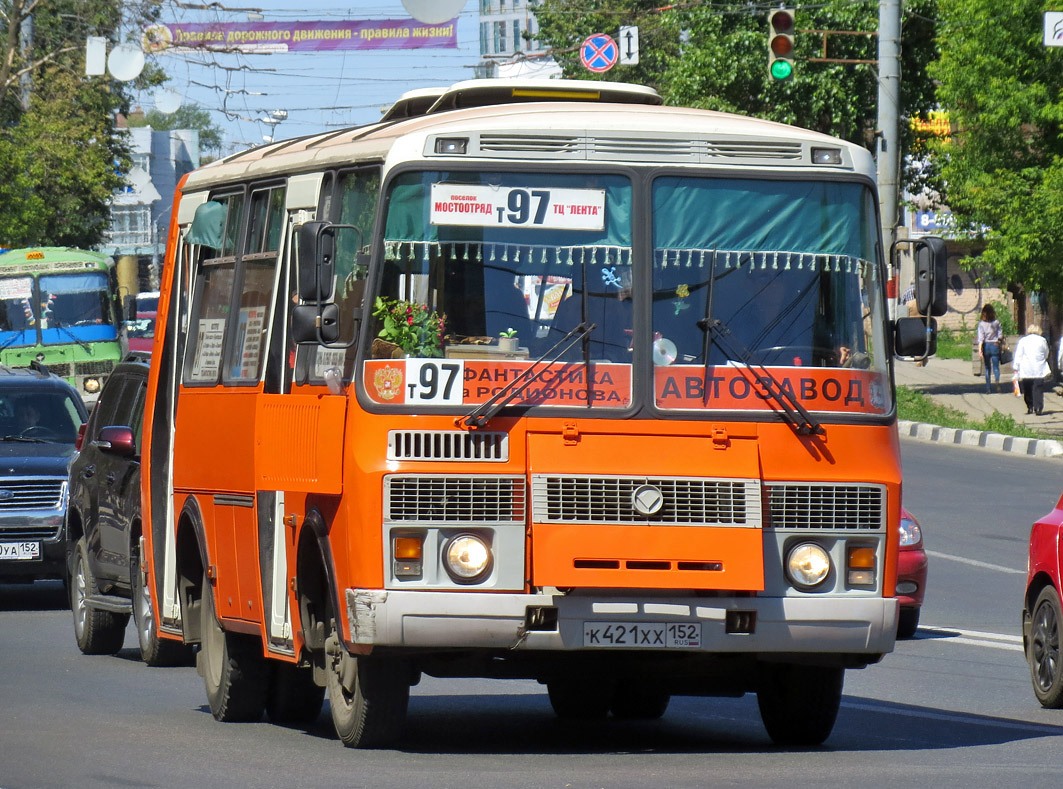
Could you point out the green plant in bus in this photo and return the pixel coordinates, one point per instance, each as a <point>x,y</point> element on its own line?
<point>411,326</point>
<point>508,333</point>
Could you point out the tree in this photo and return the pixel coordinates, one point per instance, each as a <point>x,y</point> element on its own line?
<point>1002,167</point>
<point>185,117</point>
<point>61,156</point>
<point>715,56</point>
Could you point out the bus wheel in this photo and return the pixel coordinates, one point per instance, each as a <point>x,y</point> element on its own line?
<point>639,703</point>
<point>97,632</point>
<point>368,696</point>
<point>234,672</point>
<point>293,696</point>
<point>154,651</point>
<point>584,698</point>
<point>799,704</point>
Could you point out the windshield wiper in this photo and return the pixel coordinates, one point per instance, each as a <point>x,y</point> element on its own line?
<point>795,413</point>
<point>73,336</point>
<point>28,439</point>
<point>487,409</point>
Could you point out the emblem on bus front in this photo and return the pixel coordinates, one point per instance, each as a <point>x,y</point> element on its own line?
<point>647,499</point>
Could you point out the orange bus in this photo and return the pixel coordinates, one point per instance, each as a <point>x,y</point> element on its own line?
<point>530,380</point>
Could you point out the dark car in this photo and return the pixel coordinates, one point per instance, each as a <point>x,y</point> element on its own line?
<point>40,415</point>
<point>107,579</point>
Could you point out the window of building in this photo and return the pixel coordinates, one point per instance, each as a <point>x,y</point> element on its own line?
<point>130,225</point>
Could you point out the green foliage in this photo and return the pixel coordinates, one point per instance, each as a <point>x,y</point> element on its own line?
<point>917,407</point>
<point>954,344</point>
<point>715,56</point>
<point>1003,165</point>
<point>185,117</point>
<point>1007,320</point>
<point>412,327</point>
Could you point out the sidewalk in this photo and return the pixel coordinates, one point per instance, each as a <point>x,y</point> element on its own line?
<point>951,382</point>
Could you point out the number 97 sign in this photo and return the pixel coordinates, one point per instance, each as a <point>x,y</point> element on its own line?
<point>478,205</point>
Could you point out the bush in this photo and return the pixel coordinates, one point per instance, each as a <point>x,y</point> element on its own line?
<point>918,407</point>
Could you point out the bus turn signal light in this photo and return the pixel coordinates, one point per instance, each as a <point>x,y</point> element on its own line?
<point>861,566</point>
<point>407,555</point>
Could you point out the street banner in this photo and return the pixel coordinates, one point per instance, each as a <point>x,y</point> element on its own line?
<point>276,37</point>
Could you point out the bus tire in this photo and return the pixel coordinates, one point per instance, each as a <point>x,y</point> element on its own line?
<point>368,696</point>
<point>96,632</point>
<point>583,698</point>
<point>154,651</point>
<point>293,695</point>
<point>799,704</point>
<point>641,703</point>
<point>234,672</point>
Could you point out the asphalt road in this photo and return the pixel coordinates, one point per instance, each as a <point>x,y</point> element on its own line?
<point>951,708</point>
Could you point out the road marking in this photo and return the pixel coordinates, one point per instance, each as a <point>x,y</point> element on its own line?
<point>972,719</point>
<point>978,638</point>
<point>975,563</point>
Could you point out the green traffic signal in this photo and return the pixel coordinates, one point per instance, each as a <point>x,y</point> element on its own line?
<point>781,43</point>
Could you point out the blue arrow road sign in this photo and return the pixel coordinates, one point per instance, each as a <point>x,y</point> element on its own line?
<point>599,52</point>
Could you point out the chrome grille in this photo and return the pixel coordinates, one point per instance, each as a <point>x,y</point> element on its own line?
<point>436,498</point>
<point>447,445</point>
<point>687,501</point>
<point>529,143</point>
<point>31,494</point>
<point>797,505</point>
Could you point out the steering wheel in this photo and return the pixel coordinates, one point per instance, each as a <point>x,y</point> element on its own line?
<point>38,431</point>
<point>785,354</point>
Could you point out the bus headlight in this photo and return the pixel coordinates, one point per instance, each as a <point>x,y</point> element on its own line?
<point>467,558</point>
<point>807,565</point>
<point>91,385</point>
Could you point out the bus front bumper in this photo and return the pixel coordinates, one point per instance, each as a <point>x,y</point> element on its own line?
<point>855,625</point>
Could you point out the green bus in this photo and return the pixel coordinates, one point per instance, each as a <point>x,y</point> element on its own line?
<point>59,306</point>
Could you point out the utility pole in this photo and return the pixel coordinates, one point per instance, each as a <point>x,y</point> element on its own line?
<point>26,46</point>
<point>889,97</point>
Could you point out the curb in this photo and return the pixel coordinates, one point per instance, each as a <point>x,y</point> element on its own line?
<point>1034,447</point>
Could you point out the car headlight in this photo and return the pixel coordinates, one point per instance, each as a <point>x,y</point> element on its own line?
<point>910,533</point>
<point>467,558</point>
<point>807,565</point>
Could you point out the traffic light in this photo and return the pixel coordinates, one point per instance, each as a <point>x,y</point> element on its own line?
<point>781,43</point>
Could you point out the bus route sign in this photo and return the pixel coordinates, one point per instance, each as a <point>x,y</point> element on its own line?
<point>599,52</point>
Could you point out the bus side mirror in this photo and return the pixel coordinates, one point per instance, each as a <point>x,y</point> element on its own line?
<point>316,261</point>
<point>316,323</point>
<point>931,278</point>
<point>915,337</point>
<point>129,308</point>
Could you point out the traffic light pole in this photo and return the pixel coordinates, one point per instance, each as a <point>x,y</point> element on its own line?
<point>889,96</point>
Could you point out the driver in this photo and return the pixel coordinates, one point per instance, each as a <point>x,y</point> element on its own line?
<point>27,416</point>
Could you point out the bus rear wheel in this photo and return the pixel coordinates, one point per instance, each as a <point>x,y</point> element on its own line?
<point>234,672</point>
<point>368,696</point>
<point>799,704</point>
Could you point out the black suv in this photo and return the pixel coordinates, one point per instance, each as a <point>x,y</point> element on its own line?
<point>40,414</point>
<point>103,527</point>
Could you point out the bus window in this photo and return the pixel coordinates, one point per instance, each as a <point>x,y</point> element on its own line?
<point>213,296</point>
<point>17,319</point>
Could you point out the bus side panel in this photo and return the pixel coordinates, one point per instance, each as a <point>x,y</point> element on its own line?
<point>215,442</point>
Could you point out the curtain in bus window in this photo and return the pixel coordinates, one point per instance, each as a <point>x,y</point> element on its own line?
<point>513,254</point>
<point>76,308</point>
<point>795,275</point>
<point>206,228</point>
<point>18,319</point>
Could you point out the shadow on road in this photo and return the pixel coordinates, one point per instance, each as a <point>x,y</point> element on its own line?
<point>39,596</point>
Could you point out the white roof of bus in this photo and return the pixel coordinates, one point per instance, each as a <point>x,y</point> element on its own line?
<point>314,153</point>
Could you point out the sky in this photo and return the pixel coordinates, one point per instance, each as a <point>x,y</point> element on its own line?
<point>319,91</point>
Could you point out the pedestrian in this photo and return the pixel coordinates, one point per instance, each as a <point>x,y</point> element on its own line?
<point>1031,366</point>
<point>989,336</point>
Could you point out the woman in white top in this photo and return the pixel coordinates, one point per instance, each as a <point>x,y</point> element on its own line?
<point>1030,364</point>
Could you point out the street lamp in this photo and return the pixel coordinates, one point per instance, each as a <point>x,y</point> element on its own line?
<point>274,118</point>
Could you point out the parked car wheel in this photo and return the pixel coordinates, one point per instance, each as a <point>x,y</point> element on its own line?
<point>96,632</point>
<point>154,651</point>
<point>1043,650</point>
<point>907,622</point>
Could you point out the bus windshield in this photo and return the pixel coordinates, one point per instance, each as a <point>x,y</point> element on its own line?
<point>475,259</point>
<point>76,306</point>
<point>18,320</point>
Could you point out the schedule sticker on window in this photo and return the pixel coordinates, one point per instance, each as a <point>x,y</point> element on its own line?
<point>478,205</point>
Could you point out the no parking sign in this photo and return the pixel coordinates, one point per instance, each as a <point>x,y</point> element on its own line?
<point>599,52</point>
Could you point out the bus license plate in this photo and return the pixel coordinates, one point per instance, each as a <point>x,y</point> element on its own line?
<point>20,550</point>
<point>642,635</point>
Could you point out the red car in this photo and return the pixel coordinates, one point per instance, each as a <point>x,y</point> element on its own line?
<point>1041,614</point>
<point>911,575</point>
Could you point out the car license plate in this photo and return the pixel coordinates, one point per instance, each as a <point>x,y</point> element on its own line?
<point>20,550</point>
<point>644,635</point>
